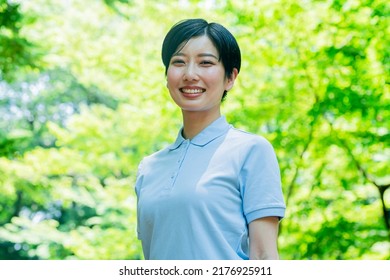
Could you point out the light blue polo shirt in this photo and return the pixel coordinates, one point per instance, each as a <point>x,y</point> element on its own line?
<point>197,197</point>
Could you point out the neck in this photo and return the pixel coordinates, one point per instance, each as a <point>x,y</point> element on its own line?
<point>195,122</point>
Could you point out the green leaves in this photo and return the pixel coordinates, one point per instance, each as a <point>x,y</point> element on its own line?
<point>16,52</point>
<point>313,81</point>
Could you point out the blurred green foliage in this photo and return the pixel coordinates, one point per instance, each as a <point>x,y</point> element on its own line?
<point>83,99</point>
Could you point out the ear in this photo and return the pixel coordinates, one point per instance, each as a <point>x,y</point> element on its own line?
<point>230,80</point>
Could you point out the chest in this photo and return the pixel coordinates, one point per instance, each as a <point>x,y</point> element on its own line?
<point>193,177</point>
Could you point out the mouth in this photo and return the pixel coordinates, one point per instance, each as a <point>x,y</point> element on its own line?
<point>192,90</point>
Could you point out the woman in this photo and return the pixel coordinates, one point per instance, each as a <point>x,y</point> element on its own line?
<point>215,192</point>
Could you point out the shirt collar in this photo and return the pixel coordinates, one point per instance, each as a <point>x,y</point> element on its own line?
<point>217,128</point>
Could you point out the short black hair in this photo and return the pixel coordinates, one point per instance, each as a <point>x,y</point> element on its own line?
<point>223,40</point>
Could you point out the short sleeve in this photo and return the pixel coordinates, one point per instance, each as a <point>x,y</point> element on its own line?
<point>138,183</point>
<point>139,178</point>
<point>260,182</point>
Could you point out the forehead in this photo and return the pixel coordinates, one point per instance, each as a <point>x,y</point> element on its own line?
<point>201,44</point>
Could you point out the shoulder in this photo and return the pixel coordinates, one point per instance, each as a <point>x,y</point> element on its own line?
<point>153,158</point>
<point>248,139</point>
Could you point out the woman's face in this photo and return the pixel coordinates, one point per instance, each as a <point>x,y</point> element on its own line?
<point>196,78</point>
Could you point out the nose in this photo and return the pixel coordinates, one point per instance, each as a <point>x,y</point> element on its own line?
<point>190,73</point>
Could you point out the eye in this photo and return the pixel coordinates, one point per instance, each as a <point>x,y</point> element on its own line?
<point>206,62</point>
<point>177,62</point>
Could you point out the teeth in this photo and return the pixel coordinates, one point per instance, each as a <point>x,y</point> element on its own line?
<point>192,91</point>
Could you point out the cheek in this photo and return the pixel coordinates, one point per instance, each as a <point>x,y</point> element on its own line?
<point>172,77</point>
<point>172,83</point>
<point>214,73</point>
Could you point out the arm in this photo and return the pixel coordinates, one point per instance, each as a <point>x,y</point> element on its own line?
<point>263,234</point>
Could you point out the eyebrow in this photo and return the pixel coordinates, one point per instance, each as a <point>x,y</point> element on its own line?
<point>199,55</point>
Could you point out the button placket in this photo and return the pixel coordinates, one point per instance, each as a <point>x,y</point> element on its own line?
<point>179,162</point>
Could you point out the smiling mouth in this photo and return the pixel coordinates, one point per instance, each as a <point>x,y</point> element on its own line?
<point>192,91</point>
